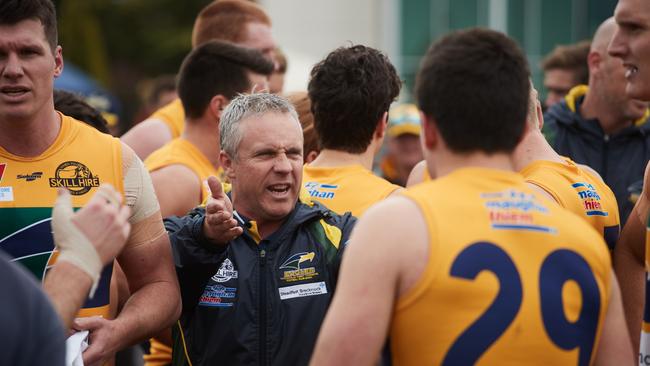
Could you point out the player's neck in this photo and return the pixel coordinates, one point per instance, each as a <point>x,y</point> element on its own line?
<point>448,162</point>
<point>595,107</point>
<point>335,158</point>
<point>532,148</point>
<point>30,138</point>
<point>205,136</point>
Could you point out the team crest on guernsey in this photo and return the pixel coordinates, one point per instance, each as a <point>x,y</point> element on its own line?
<point>74,176</point>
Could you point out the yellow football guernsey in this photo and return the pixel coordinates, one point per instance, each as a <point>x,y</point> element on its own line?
<point>173,115</point>
<point>345,189</point>
<point>81,158</point>
<point>579,192</point>
<point>181,151</point>
<point>510,280</point>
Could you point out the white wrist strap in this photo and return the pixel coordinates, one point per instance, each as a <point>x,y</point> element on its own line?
<point>74,246</point>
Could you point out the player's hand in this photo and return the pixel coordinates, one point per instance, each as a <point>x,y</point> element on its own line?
<point>103,221</point>
<point>219,225</point>
<point>102,341</point>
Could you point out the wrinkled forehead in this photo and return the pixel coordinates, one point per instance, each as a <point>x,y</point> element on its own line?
<point>269,127</point>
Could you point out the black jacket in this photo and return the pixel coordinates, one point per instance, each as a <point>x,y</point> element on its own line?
<point>620,159</point>
<point>254,303</point>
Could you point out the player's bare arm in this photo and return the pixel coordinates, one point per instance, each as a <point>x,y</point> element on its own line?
<point>417,174</point>
<point>178,189</point>
<point>614,347</point>
<point>357,323</point>
<point>629,262</point>
<point>147,137</point>
<point>147,263</point>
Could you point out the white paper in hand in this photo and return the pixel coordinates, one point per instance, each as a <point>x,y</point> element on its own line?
<point>75,345</point>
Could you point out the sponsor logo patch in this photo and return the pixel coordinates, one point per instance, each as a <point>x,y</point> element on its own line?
<point>226,272</point>
<point>74,176</point>
<point>30,177</point>
<point>304,290</point>
<point>218,296</point>
<point>296,267</point>
<point>590,199</point>
<point>513,210</point>
<point>6,194</point>
<point>318,190</point>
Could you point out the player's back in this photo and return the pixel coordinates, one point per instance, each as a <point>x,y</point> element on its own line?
<point>172,115</point>
<point>579,192</point>
<point>510,279</point>
<point>182,152</point>
<point>346,189</point>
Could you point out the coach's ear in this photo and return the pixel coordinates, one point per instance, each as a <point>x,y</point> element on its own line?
<point>430,134</point>
<point>226,162</point>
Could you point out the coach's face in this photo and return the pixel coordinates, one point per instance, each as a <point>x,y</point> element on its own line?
<point>266,173</point>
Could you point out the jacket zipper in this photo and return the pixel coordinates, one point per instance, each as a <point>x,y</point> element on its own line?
<point>605,176</point>
<point>262,311</point>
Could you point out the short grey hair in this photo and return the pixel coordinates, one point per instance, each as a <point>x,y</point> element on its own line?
<point>244,106</point>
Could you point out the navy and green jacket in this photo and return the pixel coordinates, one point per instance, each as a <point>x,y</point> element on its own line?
<point>256,301</point>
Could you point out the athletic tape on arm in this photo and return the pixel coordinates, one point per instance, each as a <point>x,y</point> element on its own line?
<point>74,246</point>
<point>146,222</point>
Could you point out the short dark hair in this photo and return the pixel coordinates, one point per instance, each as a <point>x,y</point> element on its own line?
<point>74,106</point>
<point>159,86</point>
<point>214,68</point>
<point>572,57</point>
<point>15,11</point>
<point>301,102</point>
<point>475,85</point>
<point>226,20</point>
<point>350,90</point>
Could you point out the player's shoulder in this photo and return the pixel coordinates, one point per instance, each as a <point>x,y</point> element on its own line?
<point>392,214</point>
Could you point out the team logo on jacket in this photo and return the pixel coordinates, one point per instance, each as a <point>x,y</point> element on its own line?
<point>296,267</point>
<point>74,176</point>
<point>590,199</point>
<point>226,272</point>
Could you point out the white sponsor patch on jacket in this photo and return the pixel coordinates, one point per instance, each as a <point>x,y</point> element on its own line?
<point>307,289</point>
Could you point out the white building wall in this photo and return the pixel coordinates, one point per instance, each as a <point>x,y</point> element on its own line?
<point>307,30</point>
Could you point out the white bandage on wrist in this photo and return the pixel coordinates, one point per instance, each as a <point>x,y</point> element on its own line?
<point>74,246</point>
